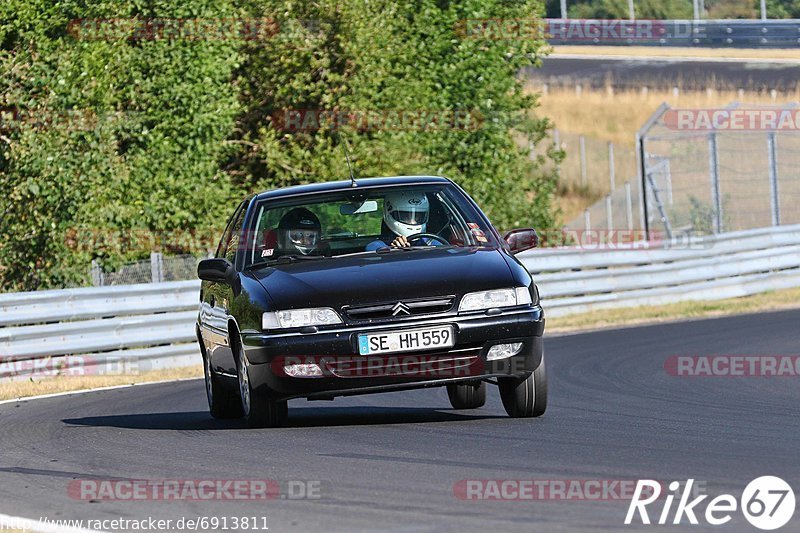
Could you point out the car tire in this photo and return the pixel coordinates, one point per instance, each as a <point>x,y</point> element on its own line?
<point>467,395</point>
<point>223,401</point>
<point>259,411</point>
<point>523,398</point>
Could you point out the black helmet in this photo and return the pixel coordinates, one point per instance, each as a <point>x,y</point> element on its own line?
<point>299,229</point>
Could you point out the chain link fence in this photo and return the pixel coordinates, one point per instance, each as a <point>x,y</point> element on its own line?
<point>598,169</point>
<point>619,209</point>
<point>594,164</point>
<point>698,171</point>
<point>717,170</point>
<point>156,270</point>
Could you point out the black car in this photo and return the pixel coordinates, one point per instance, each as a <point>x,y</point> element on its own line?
<point>383,284</point>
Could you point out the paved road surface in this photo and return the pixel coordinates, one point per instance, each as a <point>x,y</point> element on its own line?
<point>390,462</point>
<point>666,73</point>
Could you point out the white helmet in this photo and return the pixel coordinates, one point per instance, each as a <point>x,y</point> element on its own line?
<point>406,212</point>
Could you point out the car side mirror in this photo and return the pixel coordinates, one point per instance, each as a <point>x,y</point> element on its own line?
<point>216,269</point>
<point>519,240</point>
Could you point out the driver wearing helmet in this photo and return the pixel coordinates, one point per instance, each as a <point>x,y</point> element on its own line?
<point>299,231</point>
<point>405,213</point>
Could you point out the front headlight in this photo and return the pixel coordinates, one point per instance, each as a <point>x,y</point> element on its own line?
<point>300,318</point>
<point>475,301</point>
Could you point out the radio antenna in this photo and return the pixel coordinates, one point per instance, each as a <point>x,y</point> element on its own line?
<point>349,166</point>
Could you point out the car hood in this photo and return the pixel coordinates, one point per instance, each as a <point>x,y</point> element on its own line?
<point>385,277</point>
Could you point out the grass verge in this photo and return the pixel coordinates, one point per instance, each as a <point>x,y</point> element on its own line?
<point>629,316</point>
<point>52,385</point>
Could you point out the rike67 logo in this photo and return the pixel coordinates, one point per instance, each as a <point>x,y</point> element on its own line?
<point>767,502</point>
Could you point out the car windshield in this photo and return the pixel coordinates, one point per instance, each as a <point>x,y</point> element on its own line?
<point>361,221</point>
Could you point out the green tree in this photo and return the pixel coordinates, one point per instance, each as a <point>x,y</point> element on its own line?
<point>618,9</point>
<point>396,56</point>
<point>113,134</point>
<point>118,131</point>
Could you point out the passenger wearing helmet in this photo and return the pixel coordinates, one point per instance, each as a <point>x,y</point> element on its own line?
<point>299,232</point>
<point>405,213</point>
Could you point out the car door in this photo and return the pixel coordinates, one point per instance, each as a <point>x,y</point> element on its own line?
<point>216,298</point>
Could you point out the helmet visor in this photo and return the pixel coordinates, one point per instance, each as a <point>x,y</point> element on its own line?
<point>303,237</point>
<point>412,217</point>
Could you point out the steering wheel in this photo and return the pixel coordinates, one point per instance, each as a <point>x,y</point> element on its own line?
<point>418,236</point>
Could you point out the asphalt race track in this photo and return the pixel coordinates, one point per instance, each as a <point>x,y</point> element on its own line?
<point>390,462</point>
<point>666,73</point>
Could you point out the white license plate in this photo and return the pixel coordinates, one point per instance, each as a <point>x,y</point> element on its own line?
<point>409,340</point>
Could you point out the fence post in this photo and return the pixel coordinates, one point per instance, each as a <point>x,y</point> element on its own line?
<point>611,172</point>
<point>713,171</point>
<point>156,267</point>
<point>642,209</point>
<point>97,274</point>
<point>582,143</point>
<point>609,214</point>
<point>668,180</point>
<point>772,154</point>
<point>628,205</point>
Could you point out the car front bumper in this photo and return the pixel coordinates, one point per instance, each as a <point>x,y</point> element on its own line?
<point>346,373</point>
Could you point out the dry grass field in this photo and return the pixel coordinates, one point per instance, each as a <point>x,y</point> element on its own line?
<point>51,385</point>
<point>608,116</point>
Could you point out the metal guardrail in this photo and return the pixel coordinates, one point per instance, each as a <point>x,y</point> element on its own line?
<point>707,268</point>
<point>98,330</point>
<point>103,329</point>
<point>773,33</point>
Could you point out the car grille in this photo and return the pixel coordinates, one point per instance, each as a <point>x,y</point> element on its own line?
<point>401,309</point>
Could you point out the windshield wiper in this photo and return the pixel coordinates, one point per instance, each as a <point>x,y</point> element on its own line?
<point>293,258</point>
<point>283,260</point>
<point>388,249</point>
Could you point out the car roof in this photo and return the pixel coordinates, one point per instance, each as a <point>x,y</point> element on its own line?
<point>333,186</point>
